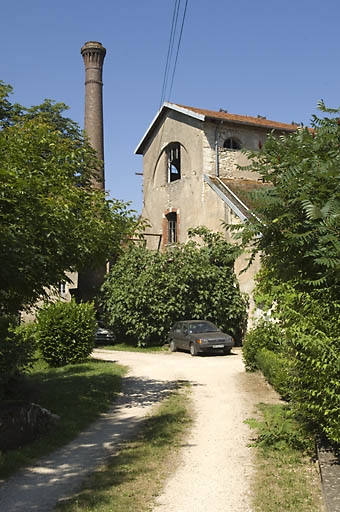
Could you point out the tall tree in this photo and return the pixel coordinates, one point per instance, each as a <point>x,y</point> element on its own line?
<point>296,228</point>
<point>51,219</point>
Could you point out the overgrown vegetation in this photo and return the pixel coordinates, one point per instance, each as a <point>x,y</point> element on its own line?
<point>297,232</point>
<point>147,291</point>
<point>131,479</point>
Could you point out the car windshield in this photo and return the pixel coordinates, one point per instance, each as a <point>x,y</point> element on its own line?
<point>202,327</point>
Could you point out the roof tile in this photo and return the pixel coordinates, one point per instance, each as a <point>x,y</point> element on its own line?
<point>255,121</point>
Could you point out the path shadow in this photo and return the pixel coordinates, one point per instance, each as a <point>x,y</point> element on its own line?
<point>60,475</point>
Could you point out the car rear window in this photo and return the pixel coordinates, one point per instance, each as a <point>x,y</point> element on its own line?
<point>202,327</point>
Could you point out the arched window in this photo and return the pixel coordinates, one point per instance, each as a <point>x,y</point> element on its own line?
<point>173,152</point>
<point>232,143</point>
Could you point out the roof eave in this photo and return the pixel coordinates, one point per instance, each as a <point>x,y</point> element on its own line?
<point>166,106</point>
<point>266,127</point>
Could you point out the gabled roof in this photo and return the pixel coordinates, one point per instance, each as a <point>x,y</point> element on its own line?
<point>212,115</point>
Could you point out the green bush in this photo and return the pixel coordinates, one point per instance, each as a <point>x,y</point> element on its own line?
<point>148,291</point>
<point>317,382</point>
<point>267,335</point>
<point>276,368</point>
<point>312,324</point>
<point>66,332</point>
<point>304,363</point>
<point>17,348</point>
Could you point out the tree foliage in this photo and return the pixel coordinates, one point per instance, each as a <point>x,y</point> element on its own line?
<point>297,223</point>
<point>296,228</point>
<point>52,219</point>
<point>310,324</point>
<point>146,291</point>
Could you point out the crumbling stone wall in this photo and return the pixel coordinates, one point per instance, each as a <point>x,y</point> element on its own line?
<point>21,422</point>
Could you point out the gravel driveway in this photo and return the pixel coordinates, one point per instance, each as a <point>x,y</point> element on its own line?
<point>215,466</point>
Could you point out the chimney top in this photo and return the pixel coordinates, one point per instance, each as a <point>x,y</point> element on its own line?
<point>93,45</point>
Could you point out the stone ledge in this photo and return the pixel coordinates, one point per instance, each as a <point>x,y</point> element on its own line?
<point>329,465</point>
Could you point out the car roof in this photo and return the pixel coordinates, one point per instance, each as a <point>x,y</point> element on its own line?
<point>195,321</point>
<point>183,322</point>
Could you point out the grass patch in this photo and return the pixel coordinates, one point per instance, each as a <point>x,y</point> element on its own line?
<point>77,393</point>
<point>286,473</point>
<point>123,347</point>
<point>131,479</point>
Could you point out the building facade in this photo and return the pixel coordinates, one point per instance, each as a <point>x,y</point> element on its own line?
<point>192,175</point>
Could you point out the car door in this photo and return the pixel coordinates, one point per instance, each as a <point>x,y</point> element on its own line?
<point>176,335</point>
<point>185,339</point>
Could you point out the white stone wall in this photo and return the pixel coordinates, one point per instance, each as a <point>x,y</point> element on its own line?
<point>228,160</point>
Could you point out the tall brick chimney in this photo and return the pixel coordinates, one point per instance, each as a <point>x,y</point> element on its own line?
<point>93,55</point>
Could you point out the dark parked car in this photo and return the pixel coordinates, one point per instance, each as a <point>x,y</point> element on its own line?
<point>199,336</point>
<point>103,336</point>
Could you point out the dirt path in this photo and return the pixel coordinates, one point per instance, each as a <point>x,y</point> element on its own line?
<point>215,464</point>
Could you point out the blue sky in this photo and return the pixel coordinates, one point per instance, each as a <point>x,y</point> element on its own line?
<point>274,58</point>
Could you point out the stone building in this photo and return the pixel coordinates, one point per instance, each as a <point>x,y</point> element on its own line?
<point>191,176</point>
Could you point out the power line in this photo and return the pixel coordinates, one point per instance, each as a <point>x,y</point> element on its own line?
<point>170,48</point>
<point>179,44</point>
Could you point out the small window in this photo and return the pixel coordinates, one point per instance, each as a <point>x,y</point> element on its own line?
<point>232,143</point>
<point>172,227</point>
<point>62,287</point>
<point>174,162</point>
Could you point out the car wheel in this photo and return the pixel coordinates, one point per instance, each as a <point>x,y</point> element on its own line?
<point>226,351</point>
<point>173,347</point>
<point>193,349</point>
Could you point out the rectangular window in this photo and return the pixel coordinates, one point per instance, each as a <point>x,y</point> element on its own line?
<point>172,228</point>
<point>62,288</point>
